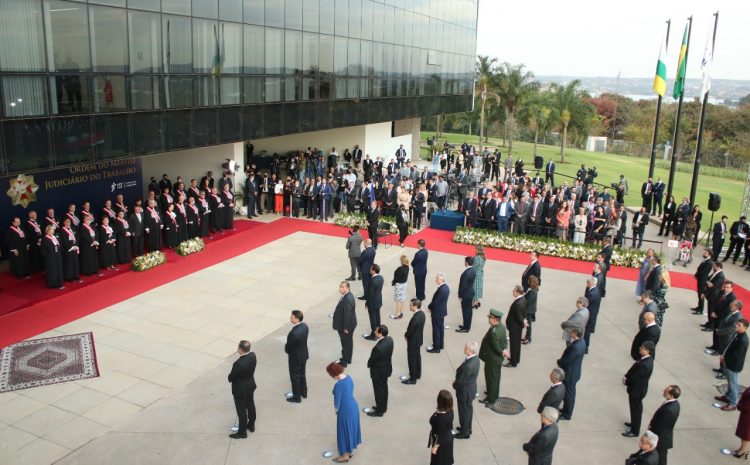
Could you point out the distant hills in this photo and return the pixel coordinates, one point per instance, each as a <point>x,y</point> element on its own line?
<point>726,91</point>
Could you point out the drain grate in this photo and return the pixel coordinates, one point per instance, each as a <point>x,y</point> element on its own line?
<point>507,406</point>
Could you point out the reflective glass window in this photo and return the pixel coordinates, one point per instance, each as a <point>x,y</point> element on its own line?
<point>309,89</point>
<point>178,91</point>
<point>352,87</point>
<point>355,64</point>
<point>206,8</point>
<point>145,93</point>
<point>273,89</point>
<point>206,46</point>
<point>230,90</point>
<point>366,58</point>
<point>120,3</point>
<point>388,20</point>
<point>254,11</point>
<point>24,96</point>
<point>341,51</point>
<point>341,18</point>
<point>230,42</point>
<point>325,55</point>
<point>113,133</point>
<point>178,44</point>
<point>147,133</point>
<point>367,12</point>
<point>253,91</point>
<point>355,18</point>
<point>27,145</point>
<point>73,140</point>
<point>145,42</point>
<point>274,51</point>
<point>109,43</point>
<point>177,129</point>
<point>325,88</point>
<point>204,127</point>
<point>310,15</point>
<point>340,86</point>
<point>71,93</point>
<point>293,16</point>
<point>230,10</point>
<point>181,7</point>
<point>110,94</point>
<point>67,36</point>
<point>310,53</point>
<point>153,5</point>
<point>230,124</point>
<point>327,11</point>
<point>275,13</point>
<point>378,11</point>
<point>254,50</point>
<point>206,91</point>
<point>293,53</point>
<point>21,36</point>
<point>293,89</point>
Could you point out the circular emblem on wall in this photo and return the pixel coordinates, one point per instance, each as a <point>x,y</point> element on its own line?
<point>22,190</point>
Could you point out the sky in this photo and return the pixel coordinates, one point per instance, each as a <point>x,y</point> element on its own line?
<point>594,38</point>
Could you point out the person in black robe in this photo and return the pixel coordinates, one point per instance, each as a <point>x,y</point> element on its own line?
<point>217,208</point>
<point>165,199</point>
<point>136,223</point>
<point>88,248</point>
<point>107,245</point>
<point>153,226</point>
<point>18,245</point>
<point>87,213</point>
<point>171,228</point>
<point>75,222</point>
<point>120,205</point>
<point>108,211</point>
<point>182,231</point>
<point>227,198</point>
<point>123,234</point>
<point>193,218</point>
<point>70,251</point>
<point>50,220</point>
<point>204,211</point>
<point>53,261</point>
<point>33,231</point>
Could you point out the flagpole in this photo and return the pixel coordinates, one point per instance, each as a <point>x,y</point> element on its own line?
<point>656,122</point>
<point>698,147</point>
<point>678,117</point>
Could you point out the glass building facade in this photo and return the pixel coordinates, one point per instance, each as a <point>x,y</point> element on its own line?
<point>84,81</point>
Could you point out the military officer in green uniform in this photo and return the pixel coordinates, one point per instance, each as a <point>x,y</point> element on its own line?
<point>493,350</point>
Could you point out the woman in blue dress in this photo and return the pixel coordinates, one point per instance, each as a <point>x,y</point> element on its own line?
<point>645,268</point>
<point>348,433</point>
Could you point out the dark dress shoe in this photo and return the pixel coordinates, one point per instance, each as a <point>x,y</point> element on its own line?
<point>720,376</point>
<point>729,408</point>
<point>294,399</point>
<point>362,298</point>
<point>304,395</point>
<point>433,351</point>
<point>251,428</point>
<point>485,401</point>
<point>509,365</point>
<point>462,330</point>
<point>721,398</point>
<point>628,424</point>
<point>350,279</point>
<point>374,413</point>
<point>238,436</point>
<point>370,337</point>
<point>630,434</point>
<point>563,417</point>
<point>697,312</point>
<point>409,381</point>
<point>462,435</point>
<point>718,370</point>
<point>706,329</point>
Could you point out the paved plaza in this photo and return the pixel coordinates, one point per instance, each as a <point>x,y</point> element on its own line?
<point>163,397</point>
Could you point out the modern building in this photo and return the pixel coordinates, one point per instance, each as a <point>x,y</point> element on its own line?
<point>105,79</point>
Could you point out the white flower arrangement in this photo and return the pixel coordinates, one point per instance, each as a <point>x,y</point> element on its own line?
<point>148,261</point>
<point>190,246</point>
<point>546,246</point>
<point>349,220</point>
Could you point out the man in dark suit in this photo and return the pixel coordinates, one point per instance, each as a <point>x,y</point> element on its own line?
<point>713,289</point>
<point>414,339</point>
<point>136,227</point>
<point>658,197</point>
<point>381,369</point>
<point>354,251</point>
<point>737,236</point>
<point>345,322</point>
<point>653,279</point>
<point>650,332</point>
<point>640,220</point>
<point>208,177</point>
<point>549,173</point>
<point>725,332</point>
<point>534,269</point>
<point>701,278</point>
<point>556,393</point>
<point>242,378</point>
<point>296,348</point>
<point>419,268</point>
<point>594,296</point>
<point>647,194</point>
<point>606,251</point>
<point>664,419</point>
<point>438,308</point>
<point>515,324</point>
<point>465,385</point>
<point>542,443</point>
<point>571,362</point>
<point>373,217</point>
<point>466,294</point>
<point>374,300</point>
<point>365,262</point>
<point>165,183</point>
<point>647,454</point>
<point>720,308</point>
<point>470,209</point>
<point>719,235</point>
<point>733,359</point>
<point>636,380</point>
<point>251,194</point>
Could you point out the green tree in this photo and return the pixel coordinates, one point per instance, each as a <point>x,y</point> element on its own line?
<point>484,90</point>
<point>569,105</point>
<point>537,114</point>
<point>515,86</point>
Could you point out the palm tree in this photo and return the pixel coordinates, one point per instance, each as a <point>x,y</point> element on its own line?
<point>485,70</point>
<point>516,86</point>
<point>537,114</point>
<point>567,99</point>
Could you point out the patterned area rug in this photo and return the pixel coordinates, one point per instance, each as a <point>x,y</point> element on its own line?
<point>51,360</point>
<point>506,406</point>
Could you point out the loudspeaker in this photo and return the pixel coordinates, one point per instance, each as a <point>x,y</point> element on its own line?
<point>714,201</point>
<point>538,162</point>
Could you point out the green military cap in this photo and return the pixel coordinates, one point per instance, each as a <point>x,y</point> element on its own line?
<point>495,313</point>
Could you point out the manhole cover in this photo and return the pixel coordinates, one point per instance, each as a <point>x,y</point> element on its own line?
<point>507,406</point>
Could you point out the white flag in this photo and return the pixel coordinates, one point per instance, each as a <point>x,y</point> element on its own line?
<point>706,67</point>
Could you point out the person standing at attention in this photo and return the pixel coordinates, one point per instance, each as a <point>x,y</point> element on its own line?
<point>242,378</point>
<point>296,348</point>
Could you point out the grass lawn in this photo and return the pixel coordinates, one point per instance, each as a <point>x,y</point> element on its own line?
<point>611,166</point>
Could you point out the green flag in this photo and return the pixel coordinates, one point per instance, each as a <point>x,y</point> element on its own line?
<point>679,81</point>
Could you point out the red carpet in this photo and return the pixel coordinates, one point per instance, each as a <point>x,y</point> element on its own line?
<point>80,301</point>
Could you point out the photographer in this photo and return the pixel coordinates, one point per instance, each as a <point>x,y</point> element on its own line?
<point>591,174</point>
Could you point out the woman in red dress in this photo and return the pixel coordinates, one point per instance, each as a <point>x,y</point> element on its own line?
<point>743,425</point>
